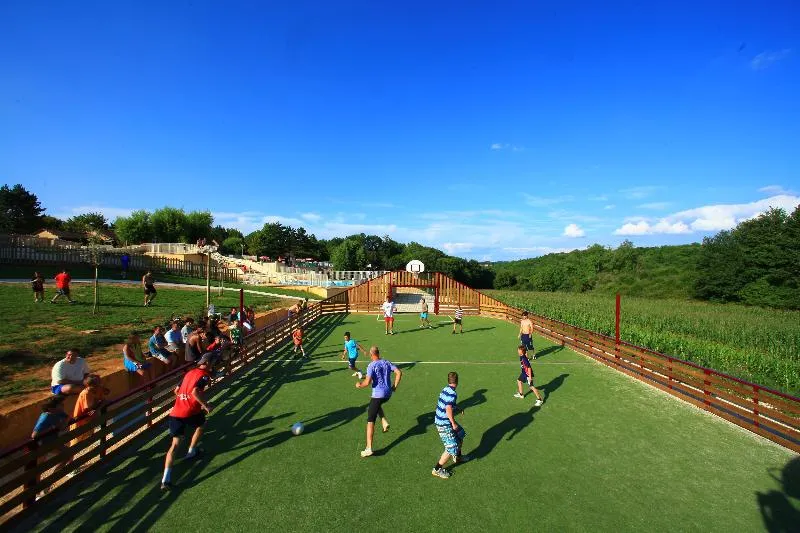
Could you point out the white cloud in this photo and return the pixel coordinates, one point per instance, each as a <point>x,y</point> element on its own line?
<point>775,190</point>
<point>767,59</point>
<point>539,201</point>
<point>639,192</point>
<point>311,217</point>
<point>498,146</point>
<point>573,231</point>
<point>453,248</point>
<point>706,219</point>
<point>111,213</point>
<point>655,206</point>
<point>506,146</point>
<point>609,206</point>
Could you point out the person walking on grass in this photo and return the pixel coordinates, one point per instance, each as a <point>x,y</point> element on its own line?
<point>450,432</point>
<point>379,374</point>
<point>149,288</point>
<point>526,375</point>
<point>459,316</point>
<point>297,338</point>
<point>189,412</point>
<point>351,348</point>
<point>37,284</point>
<point>62,286</point>
<point>526,332</point>
<point>125,260</point>
<point>423,315</point>
<point>389,309</point>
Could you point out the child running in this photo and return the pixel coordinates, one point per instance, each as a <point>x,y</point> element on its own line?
<point>351,348</point>
<point>297,337</point>
<point>526,375</point>
<point>450,432</point>
<point>459,315</point>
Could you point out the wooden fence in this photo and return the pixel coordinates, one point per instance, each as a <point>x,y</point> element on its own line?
<point>64,257</point>
<point>30,467</point>
<point>767,412</point>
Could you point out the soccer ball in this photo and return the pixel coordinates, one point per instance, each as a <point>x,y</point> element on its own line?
<point>297,428</point>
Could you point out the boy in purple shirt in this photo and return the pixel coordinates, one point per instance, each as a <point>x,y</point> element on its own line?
<point>379,373</point>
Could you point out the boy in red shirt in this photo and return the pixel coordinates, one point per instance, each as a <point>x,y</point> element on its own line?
<point>297,337</point>
<point>188,412</point>
<point>62,286</point>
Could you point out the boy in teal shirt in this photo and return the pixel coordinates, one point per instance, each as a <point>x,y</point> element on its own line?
<point>351,348</point>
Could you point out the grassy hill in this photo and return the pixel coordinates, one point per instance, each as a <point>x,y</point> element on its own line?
<point>658,272</point>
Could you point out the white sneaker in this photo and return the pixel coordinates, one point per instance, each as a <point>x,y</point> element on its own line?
<point>518,395</point>
<point>538,403</point>
<point>366,452</point>
<point>360,375</point>
<point>440,472</point>
<point>357,374</point>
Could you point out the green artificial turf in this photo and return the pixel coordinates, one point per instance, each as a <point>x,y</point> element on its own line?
<point>604,453</point>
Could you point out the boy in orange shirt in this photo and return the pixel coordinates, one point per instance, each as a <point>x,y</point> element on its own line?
<point>297,337</point>
<point>89,400</point>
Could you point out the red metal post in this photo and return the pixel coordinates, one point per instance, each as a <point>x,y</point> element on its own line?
<point>616,323</point>
<point>241,309</point>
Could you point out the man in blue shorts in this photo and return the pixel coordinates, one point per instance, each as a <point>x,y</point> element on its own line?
<point>379,374</point>
<point>526,332</point>
<point>351,348</point>
<point>423,315</point>
<point>450,432</point>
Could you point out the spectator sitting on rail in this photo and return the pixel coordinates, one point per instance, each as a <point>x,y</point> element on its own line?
<point>235,333</point>
<point>304,305</point>
<point>158,347</point>
<point>68,373</point>
<point>251,317</point>
<point>212,311</point>
<point>90,398</point>
<point>187,329</point>
<point>52,421</point>
<point>194,345</point>
<point>233,316</point>
<point>133,359</point>
<point>295,309</point>
<point>174,338</point>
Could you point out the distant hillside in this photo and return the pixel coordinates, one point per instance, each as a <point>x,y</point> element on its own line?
<point>659,272</point>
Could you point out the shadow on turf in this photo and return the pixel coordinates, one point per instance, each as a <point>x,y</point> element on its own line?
<point>547,351</point>
<point>513,425</point>
<point>136,507</point>
<point>777,510</point>
<point>426,419</point>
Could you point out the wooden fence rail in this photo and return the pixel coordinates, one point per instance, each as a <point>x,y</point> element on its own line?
<point>31,466</point>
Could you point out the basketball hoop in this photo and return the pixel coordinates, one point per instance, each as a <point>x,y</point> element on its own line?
<point>415,266</point>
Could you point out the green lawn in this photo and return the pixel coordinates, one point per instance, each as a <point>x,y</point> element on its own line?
<point>604,453</point>
<point>35,335</point>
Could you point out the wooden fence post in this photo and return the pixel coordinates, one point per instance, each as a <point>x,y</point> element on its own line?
<point>755,405</point>
<point>31,465</point>
<point>706,383</point>
<point>103,425</point>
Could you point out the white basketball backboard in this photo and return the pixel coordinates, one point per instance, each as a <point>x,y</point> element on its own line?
<point>415,266</point>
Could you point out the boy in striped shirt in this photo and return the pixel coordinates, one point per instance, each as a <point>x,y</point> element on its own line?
<point>450,432</point>
<point>457,320</point>
<point>526,375</point>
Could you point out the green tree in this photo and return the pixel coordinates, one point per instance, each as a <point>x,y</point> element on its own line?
<point>49,222</point>
<point>232,246</point>
<point>169,225</point>
<point>198,225</point>
<point>349,255</point>
<point>505,280</point>
<point>20,210</point>
<point>86,222</point>
<point>134,229</point>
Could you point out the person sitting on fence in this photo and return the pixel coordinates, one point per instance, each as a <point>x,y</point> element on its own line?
<point>68,374</point>
<point>50,423</point>
<point>37,284</point>
<point>62,286</point>
<point>251,317</point>
<point>304,305</point>
<point>233,316</point>
<point>294,310</point>
<point>194,345</point>
<point>174,338</point>
<point>235,333</point>
<point>133,359</point>
<point>158,347</point>
<point>89,400</point>
<point>212,311</point>
<point>187,329</point>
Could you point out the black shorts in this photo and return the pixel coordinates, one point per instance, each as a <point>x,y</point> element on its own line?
<point>63,292</point>
<point>178,425</point>
<point>523,377</point>
<point>375,408</point>
<point>149,289</point>
<point>456,321</point>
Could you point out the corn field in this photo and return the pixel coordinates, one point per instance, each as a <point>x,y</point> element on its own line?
<point>752,343</point>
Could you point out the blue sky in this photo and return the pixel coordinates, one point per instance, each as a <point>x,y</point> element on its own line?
<point>491,130</point>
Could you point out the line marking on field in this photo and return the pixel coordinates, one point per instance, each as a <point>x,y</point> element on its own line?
<point>498,363</point>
